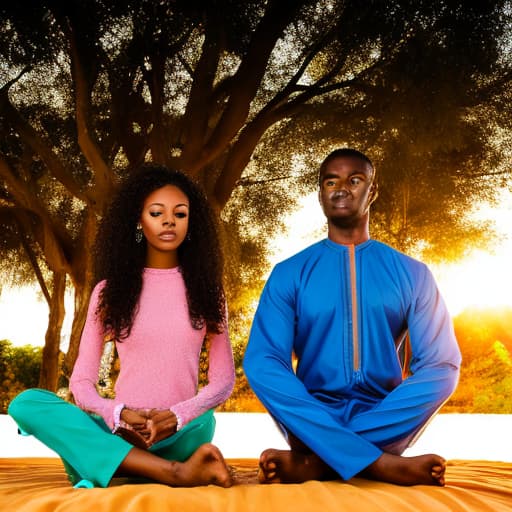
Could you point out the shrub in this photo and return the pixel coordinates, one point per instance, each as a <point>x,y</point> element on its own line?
<point>19,370</point>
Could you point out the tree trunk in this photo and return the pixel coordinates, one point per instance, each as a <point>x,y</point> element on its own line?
<point>83,283</point>
<point>82,296</point>
<point>49,375</point>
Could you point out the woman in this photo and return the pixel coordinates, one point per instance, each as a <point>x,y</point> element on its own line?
<point>158,294</point>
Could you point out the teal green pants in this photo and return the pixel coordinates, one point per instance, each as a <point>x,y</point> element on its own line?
<point>85,443</point>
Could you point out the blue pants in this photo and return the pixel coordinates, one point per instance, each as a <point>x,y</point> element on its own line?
<point>85,443</point>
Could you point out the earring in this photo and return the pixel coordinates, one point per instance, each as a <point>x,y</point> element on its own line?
<point>138,234</point>
<point>187,238</point>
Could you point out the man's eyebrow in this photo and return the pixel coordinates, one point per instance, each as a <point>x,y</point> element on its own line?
<point>355,171</point>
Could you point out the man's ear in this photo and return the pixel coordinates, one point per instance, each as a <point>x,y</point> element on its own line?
<point>374,192</point>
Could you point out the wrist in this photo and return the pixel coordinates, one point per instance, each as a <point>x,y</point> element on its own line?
<point>118,409</point>
<point>179,421</point>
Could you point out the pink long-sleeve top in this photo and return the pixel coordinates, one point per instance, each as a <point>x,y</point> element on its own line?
<point>159,360</point>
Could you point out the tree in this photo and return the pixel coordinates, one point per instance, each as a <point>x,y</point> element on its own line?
<point>19,370</point>
<point>24,262</point>
<point>485,342</point>
<point>92,88</point>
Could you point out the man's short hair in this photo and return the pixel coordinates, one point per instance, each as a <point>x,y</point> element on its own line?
<point>343,152</point>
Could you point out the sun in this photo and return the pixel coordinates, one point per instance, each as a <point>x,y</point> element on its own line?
<point>482,280</point>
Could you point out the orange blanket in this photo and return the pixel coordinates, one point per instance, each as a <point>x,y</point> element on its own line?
<point>40,485</point>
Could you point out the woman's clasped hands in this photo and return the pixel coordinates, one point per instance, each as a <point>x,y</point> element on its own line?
<point>152,425</point>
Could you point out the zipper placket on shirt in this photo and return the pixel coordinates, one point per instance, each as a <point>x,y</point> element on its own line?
<point>353,300</point>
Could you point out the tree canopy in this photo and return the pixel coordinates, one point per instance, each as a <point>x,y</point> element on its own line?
<point>247,98</point>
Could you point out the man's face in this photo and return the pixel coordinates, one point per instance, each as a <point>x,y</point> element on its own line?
<point>346,190</point>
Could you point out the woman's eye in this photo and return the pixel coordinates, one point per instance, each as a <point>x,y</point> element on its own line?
<point>180,215</point>
<point>155,214</point>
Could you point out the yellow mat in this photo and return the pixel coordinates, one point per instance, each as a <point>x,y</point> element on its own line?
<point>40,485</point>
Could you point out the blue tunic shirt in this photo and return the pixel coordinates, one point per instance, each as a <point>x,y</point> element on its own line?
<point>344,311</point>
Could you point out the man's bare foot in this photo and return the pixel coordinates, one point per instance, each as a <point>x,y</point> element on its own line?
<point>288,466</point>
<point>205,467</point>
<point>419,470</point>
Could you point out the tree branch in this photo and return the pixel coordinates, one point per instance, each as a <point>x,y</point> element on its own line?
<point>248,78</point>
<point>5,88</point>
<point>32,138</point>
<point>250,183</point>
<point>103,177</point>
<point>46,237</point>
<point>196,114</point>
<point>23,228</point>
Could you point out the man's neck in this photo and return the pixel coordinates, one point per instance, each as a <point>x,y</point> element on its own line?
<point>349,235</point>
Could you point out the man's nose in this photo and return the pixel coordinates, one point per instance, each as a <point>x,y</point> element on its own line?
<point>341,191</point>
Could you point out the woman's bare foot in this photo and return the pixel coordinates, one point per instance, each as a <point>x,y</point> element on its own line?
<point>395,469</point>
<point>288,466</point>
<point>206,466</point>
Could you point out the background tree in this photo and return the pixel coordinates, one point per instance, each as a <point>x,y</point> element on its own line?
<point>23,263</point>
<point>241,95</point>
<point>19,370</point>
<point>485,380</point>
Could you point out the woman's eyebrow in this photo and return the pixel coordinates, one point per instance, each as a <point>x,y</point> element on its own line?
<point>162,205</point>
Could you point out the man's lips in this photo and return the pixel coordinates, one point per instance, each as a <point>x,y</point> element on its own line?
<point>340,202</point>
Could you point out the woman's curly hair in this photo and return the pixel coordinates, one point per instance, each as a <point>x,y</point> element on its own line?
<point>120,260</point>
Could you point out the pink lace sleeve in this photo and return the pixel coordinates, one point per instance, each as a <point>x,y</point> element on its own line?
<point>221,379</point>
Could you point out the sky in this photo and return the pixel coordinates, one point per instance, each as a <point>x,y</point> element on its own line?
<point>483,280</point>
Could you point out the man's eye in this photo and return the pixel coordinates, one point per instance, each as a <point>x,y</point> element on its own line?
<point>330,183</point>
<point>355,181</point>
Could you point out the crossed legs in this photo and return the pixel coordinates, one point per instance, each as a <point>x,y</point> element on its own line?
<point>90,451</point>
<point>300,464</point>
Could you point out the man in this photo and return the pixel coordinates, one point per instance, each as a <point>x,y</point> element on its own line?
<point>344,307</point>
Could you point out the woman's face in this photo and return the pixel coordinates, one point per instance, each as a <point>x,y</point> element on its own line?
<point>164,221</point>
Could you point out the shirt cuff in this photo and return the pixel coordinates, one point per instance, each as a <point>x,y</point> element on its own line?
<point>117,415</point>
<point>179,423</point>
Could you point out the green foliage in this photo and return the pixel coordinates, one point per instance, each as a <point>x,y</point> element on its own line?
<point>19,370</point>
<point>486,372</point>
